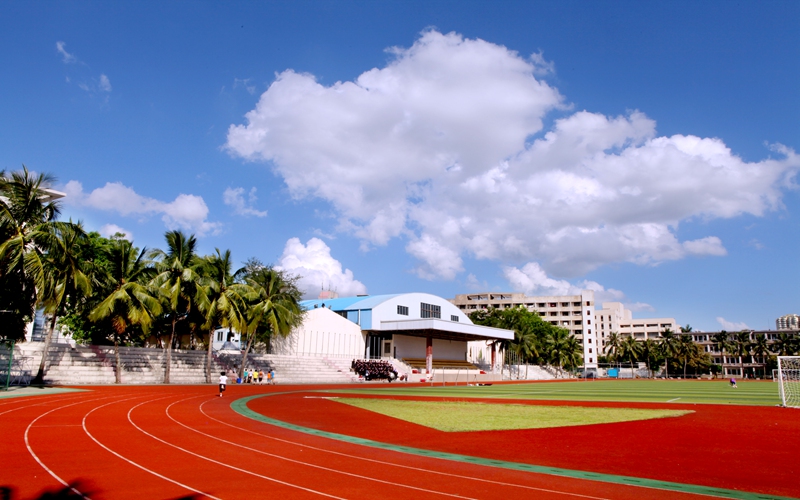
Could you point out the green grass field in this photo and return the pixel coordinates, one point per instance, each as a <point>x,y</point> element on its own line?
<point>453,416</point>
<point>759,393</point>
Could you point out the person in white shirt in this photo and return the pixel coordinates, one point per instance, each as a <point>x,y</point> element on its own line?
<point>223,381</point>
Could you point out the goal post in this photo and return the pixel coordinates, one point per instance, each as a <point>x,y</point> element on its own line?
<point>789,380</point>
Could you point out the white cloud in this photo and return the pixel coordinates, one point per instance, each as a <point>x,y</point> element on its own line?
<point>437,147</point>
<point>533,280</point>
<point>110,230</point>
<point>234,197</point>
<point>186,211</point>
<point>317,269</point>
<point>105,83</point>
<point>66,56</point>
<point>731,326</point>
<point>246,83</point>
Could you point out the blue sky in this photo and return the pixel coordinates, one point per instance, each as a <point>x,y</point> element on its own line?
<point>642,149</point>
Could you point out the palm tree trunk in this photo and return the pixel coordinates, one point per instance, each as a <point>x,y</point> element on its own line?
<point>39,379</point>
<point>209,356</point>
<point>244,356</point>
<point>684,368</point>
<point>169,352</point>
<point>666,368</point>
<point>118,372</point>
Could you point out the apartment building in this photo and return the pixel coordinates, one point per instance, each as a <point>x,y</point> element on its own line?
<point>788,322</point>
<point>573,312</point>
<point>754,365</point>
<point>613,317</point>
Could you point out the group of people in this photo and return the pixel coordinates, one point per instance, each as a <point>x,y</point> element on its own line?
<point>258,376</point>
<point>374,369</point>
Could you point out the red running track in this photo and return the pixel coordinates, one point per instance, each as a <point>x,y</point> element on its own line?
<point>182,441</point>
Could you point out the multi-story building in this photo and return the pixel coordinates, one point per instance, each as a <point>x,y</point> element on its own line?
<point>755,365</point>
<point>573,312</point>
<point>576,313</point>
<point>788,322</point>
<point>613,317</point>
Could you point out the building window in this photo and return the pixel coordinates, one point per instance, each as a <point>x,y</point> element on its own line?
<point>454,318</point>
<point>590,350</point>
<point>402,310</point>
<point>429,310</point>
<point>588,322</point>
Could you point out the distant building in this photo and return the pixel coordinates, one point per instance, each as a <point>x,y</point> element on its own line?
<point>788,322</point>
<point>576,313</point>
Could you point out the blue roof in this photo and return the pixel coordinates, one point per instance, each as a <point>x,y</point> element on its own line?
<point>348,303</point>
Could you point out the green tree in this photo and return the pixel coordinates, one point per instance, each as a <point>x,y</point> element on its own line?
<point>613,345</point>
<point>785,344</point>
<point>687,350</point>
<point>669,347</point>
<point>178,284</point>
<point>27,227</point>
<point>129,302</point>
<point>761,349</point>
<point>226,306</point>
<point>274,307</point>
<point>741,347</point>
<point>631,349</point>
<point>651,355</point>
<point>64,276</point>
<point>560,350</point>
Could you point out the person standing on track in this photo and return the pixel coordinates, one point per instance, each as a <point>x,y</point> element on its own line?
<point>272,376</point>
<point>223,381</point>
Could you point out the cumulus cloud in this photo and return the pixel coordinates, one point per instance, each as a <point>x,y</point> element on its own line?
<point>234,197</point>
<point>187,212</point>
<point>110,230</point>
<point>533,280</point>
<point>317,269</point>
<point>731,326</point>
<point>445,146</point>
<point>65,56</point>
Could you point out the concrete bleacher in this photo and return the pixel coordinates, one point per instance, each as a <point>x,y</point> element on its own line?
<point>79,365</point>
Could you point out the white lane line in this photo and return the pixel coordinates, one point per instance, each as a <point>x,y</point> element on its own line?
<point>131,461</point>
<point>280,457</point>
<point>671,400</point>
<point>223,463</point>
<point>36,457</point>
<point>40,403</point>
<point>402,466</point>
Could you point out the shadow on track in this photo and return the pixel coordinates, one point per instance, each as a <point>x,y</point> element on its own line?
<point>67,493</point>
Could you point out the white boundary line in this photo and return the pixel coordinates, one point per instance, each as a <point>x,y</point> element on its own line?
<point>83,424</point>
<point>222,463</point>
<point>36,457</point>
<point>409,467</point>
<point>425,490</point>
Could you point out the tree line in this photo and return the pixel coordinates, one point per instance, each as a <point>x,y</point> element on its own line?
<point>537,341</point>
<point>108,291</point>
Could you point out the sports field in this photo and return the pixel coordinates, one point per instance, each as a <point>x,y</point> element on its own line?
<point>306,442</point>
<point>761,393</point>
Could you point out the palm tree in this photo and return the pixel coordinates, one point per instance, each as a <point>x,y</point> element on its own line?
<point>649,354</point>
<point>177,282</point>
<point>741,347</point>
<point>687,350</point>
<point>128,300</point>
<point>613,345</point>
<point>274,307</point>
<point>559,348</point>
<point>226,306</point>
<point>669,347</point>
<point>761,348</point>
<point>64,276</point>
<point>631,349</point>
<point>785,345</point>
<point>27,221</point>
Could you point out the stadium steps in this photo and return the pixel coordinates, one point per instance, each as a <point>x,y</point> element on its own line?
<point>96,365</point>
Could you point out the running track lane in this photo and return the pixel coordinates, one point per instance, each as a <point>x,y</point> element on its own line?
<point>157,443</point>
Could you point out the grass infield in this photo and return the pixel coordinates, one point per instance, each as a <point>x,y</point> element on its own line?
<point>454,416</point>
<point>756,393</point>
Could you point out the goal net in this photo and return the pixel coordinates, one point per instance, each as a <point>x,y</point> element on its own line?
<point>789,380</point>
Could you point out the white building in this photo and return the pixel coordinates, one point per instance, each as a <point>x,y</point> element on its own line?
<point>788,322</point>
<point>613,317</point>
<point>573,312</point>
<point>408,326</point>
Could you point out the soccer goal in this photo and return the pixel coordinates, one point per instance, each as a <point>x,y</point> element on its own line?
<point>789,380</point>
